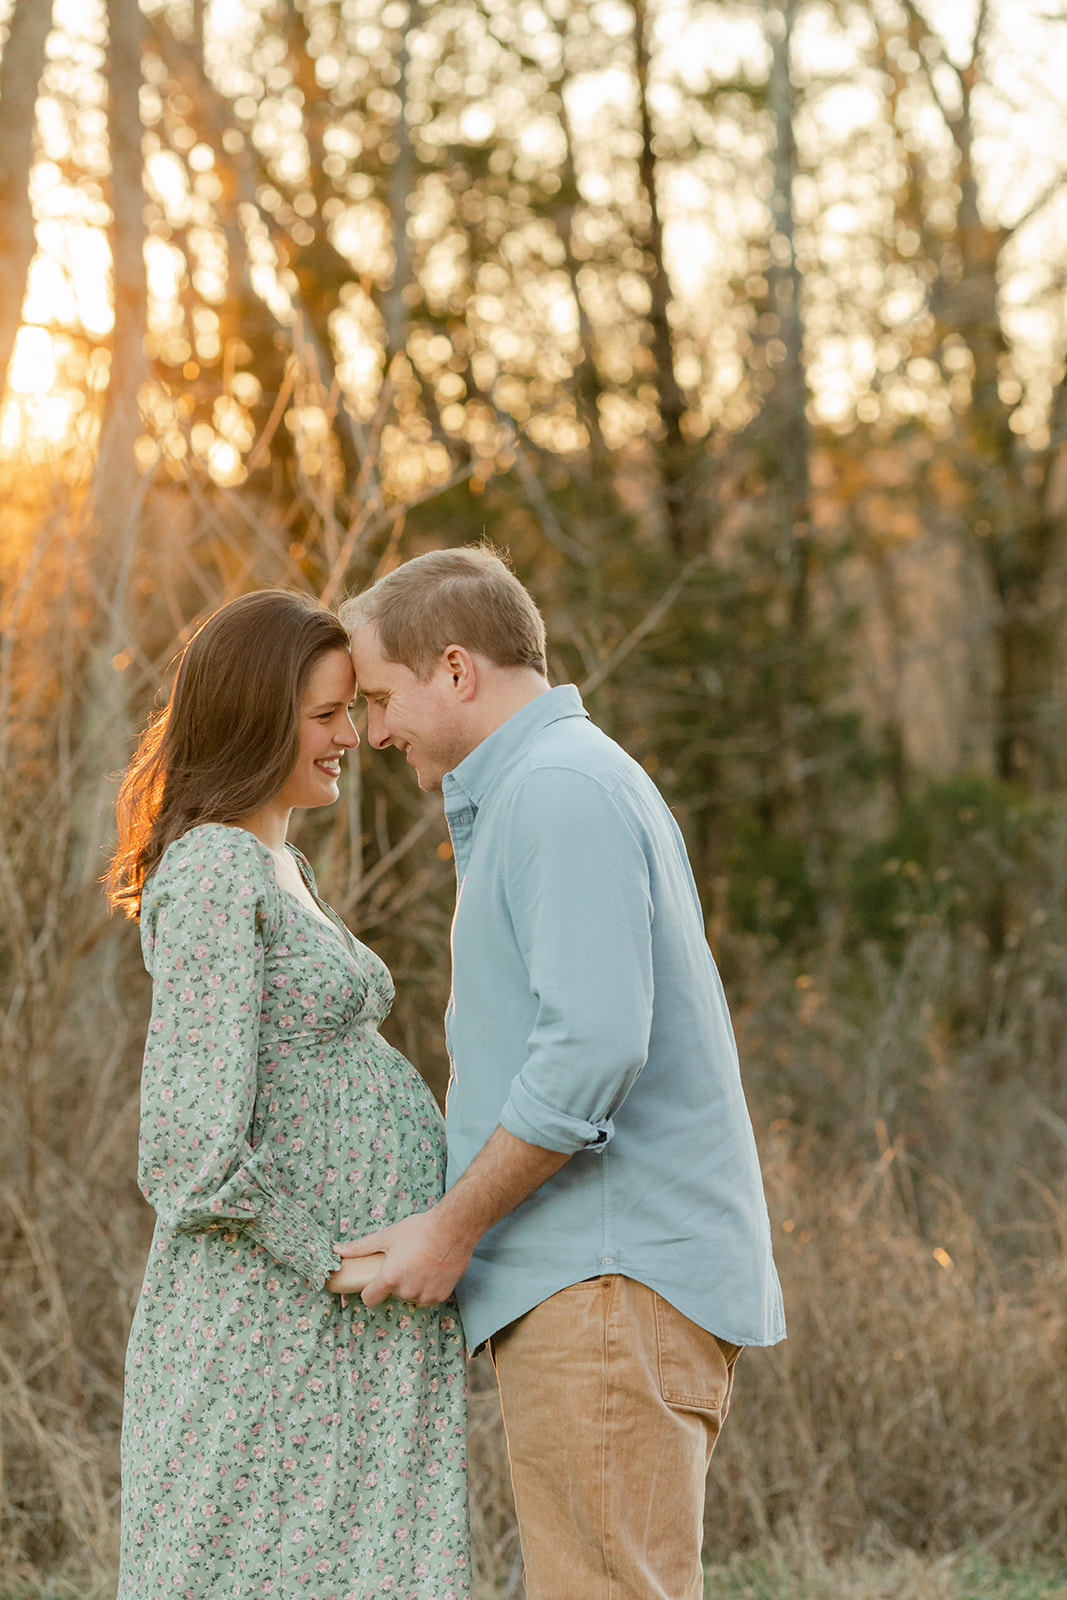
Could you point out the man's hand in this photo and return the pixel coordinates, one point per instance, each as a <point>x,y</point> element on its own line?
<point>353,1276</point>
<point>424,1260</point>
<point>428,1253</point>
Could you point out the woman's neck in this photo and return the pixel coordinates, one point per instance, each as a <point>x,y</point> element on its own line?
<point>270,826</point>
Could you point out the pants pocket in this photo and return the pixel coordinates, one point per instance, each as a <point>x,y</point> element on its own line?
<point>695,1368</point>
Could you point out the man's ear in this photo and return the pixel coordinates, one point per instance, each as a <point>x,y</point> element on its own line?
<point>462,669</point>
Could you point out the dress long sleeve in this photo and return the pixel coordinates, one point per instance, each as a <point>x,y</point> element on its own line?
<point>205,925</point>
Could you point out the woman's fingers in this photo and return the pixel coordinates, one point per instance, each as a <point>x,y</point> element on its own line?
<point>355,1273</point>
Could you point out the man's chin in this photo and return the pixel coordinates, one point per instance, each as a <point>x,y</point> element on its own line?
<point>429,782</point>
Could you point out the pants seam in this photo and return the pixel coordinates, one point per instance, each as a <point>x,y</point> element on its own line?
<point>604,1405</point>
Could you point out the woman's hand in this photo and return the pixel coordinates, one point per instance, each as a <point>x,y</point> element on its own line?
<point>354,1274</point>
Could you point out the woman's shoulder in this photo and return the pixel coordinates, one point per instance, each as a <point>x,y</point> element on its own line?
<point>213,858</point>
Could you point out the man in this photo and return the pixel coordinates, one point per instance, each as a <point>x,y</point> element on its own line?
<point>604,1223</point>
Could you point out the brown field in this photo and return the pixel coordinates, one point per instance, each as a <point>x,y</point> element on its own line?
<point>919,1404</point>
<point>905,1095</point>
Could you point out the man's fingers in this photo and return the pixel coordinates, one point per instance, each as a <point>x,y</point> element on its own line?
<point>372,1244</point>
<point>412,1286</point>
<point>418,1269</point>
<point>376,1291</point>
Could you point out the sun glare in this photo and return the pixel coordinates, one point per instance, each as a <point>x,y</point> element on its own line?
<point>68,299</point>
<point>33,366</point>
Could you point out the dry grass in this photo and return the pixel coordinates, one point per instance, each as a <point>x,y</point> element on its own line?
<point>794,1572</point>
<point>922,1393</point>
<point>919,1202</point>
<point>912,1115</point>
<point>921,1398</point>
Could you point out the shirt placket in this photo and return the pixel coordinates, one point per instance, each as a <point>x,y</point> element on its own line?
<point>460,813</point>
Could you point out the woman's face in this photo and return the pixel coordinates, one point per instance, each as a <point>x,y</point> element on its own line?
<point>326,732</point>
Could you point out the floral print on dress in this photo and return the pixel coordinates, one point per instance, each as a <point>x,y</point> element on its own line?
<point>279,1440</point>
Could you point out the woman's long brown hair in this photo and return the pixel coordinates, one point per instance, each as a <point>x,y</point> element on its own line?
<point>228,738</point>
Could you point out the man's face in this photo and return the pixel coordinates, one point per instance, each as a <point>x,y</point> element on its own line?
<point>425,720</point>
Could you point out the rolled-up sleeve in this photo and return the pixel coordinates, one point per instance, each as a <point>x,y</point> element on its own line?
<point>577,888</point>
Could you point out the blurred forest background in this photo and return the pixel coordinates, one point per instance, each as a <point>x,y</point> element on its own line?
<point>742,326</point>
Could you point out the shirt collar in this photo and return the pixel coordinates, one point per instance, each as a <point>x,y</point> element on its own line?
<point>488,761</point>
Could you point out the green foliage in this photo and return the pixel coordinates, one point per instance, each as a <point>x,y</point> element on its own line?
<point>770,886</point>
<point>952,856</point>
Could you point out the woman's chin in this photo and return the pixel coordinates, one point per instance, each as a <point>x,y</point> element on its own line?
<point>319,794</point>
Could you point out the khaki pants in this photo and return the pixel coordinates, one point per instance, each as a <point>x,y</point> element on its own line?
<point>612,1402</point>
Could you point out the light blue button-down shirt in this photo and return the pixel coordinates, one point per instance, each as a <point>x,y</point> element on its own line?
<point>587,1017</point>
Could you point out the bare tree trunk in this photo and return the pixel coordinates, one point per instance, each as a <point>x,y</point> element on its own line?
<point>786,433</point>
<point>243,316</point>
<point>786,414</point>
<point>672,453</point>
<point>1018,535</point>
<point>1019,547</point>
<point>117,466</point>
<point>21,66</point>
<point>396,307</point>
<point>320,269</point>
<point>587,385</point>
<point>118,487</point>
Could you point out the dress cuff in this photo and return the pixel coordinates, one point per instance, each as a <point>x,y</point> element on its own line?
<point>284,1228</point>
<point>530,1119</point>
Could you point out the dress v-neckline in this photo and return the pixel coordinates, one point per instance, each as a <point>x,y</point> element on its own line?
<point>333,928</point>
<point>331,923</point>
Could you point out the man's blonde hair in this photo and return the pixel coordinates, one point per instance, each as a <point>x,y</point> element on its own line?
<point>466,596</point>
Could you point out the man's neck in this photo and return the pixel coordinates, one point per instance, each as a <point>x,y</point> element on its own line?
<point>506,690</point>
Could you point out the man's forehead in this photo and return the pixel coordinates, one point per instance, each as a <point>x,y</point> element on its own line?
<point>374,674</point>
<point>366,651</point>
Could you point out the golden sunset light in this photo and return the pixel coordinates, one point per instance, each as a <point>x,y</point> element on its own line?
<point>737,331</point>
<point>705,213</point>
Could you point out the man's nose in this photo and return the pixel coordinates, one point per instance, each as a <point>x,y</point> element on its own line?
<point>376,729</point>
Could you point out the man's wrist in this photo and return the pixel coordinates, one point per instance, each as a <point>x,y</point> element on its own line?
<point>459,1223</point>
<point>504,1173</point>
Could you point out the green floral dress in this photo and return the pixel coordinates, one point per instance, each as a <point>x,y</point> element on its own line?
<point>278,1441</point>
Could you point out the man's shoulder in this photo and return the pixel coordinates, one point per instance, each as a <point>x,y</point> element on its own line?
<point>575,744</point>
<point>575,755</point>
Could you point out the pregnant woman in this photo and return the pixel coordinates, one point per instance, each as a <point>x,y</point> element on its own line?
<point>279,1439</point>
